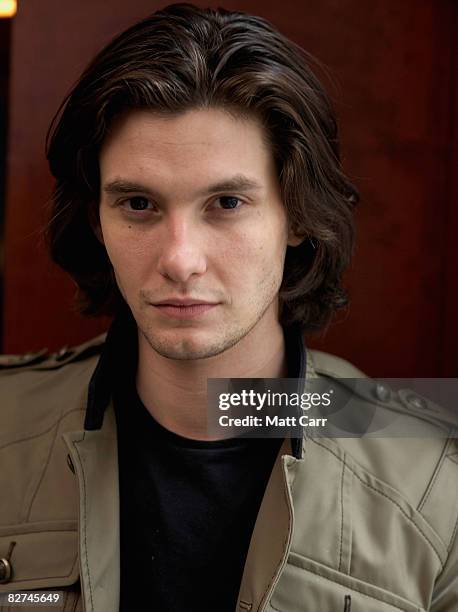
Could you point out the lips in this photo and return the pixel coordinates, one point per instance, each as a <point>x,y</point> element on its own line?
<point>183,303</point>
<point>184,309</point>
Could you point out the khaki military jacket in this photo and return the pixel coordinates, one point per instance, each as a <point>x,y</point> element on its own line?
<point>352,525</point>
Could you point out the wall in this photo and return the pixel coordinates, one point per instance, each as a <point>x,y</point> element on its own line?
<point>394,86</point>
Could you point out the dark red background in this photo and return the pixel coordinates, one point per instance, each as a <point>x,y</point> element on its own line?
<point>395,84</point>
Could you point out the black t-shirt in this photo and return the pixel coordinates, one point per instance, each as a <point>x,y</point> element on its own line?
<point>187,508</point>
<point>187,512</point>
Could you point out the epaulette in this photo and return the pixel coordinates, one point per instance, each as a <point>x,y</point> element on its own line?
<point>379,393</point>
<point>44,360</point>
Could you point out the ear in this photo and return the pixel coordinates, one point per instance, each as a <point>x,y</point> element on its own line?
<point>94,221</point>
<point>294,240</point>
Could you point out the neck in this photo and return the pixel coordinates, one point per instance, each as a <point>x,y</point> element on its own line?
<point>175,391</point>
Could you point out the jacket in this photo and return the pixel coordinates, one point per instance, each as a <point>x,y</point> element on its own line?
<point>351,525</point>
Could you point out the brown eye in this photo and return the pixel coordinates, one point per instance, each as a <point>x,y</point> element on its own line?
<point>229,202</point>
<point>138,203</point>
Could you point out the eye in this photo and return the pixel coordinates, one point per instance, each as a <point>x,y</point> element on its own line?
<point>137,203</point>
<point>229,202</point>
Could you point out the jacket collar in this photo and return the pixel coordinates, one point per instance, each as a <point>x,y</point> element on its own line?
<point>120,348</point>
<point>119,359</point>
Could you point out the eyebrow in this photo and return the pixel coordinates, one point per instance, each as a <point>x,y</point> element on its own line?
<point>238,183</point>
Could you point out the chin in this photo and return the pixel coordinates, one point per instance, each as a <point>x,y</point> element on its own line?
<point>186,350</point>
<point>189,344</point>
<point>183,344</point>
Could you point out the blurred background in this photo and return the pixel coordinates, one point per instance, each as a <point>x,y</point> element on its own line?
<point>394,84</point>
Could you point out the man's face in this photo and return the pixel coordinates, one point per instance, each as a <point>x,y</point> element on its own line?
<point>190,209</point>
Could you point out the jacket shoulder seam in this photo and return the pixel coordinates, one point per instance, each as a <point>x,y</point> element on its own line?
<point>43,471</point>
<point>437,470</point>
<point>452,539</point>
<point>54,423</point>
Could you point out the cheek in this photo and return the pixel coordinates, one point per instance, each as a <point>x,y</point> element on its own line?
<point>252,260</point>
<point>129,255</point>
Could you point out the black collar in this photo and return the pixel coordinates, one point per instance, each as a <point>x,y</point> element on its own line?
<point>119,359</point>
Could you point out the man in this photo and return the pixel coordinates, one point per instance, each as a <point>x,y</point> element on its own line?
<point>200,200</point>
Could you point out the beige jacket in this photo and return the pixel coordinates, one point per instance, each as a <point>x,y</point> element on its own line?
<point>355,525</point>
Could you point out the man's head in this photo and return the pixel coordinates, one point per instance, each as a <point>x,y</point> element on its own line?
<point>181,102</point>
<point>191,209</point>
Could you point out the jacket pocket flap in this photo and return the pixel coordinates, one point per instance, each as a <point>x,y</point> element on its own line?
<point>40,558</point>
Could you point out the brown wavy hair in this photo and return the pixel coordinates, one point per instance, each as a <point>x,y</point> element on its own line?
<point>182,58</point>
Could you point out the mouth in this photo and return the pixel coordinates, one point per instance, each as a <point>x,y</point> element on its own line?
<point>184,309</point>
<point>184,302</point>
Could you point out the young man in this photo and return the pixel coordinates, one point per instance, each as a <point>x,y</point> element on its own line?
<point>200,200</point>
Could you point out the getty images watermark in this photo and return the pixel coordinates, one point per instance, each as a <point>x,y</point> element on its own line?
<point>270,401</point>
<point>328,407</point>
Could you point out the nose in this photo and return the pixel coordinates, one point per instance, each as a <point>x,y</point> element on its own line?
<point>181,250</point>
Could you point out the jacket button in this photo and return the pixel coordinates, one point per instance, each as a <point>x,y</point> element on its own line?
<point>70,464</point>
<point>63,353</point>
<point>416,401</point>
<point>5,571</point>
<point>382,392</point>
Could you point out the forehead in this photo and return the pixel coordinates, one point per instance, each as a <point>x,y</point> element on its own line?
<point>194,144</point>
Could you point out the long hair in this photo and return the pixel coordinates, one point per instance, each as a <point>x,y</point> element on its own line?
<point>182,58</point>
